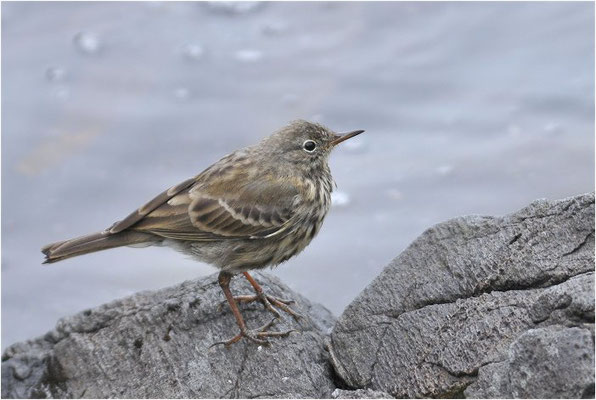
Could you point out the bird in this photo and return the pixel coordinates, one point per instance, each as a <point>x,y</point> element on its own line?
<point>254,208</point>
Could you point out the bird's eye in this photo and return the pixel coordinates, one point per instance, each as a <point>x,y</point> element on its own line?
<point>309,146</point>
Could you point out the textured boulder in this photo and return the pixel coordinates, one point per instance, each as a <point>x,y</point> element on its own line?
<point>156,344</point>
<point>481,306</point>
<point>359,394</point>
<point>475,307</point>
<point>539,363</point>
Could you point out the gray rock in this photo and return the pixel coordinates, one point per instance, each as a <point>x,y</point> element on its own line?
<point>477,306</point>
<point>541,362</point>
<point>360,394</point>
<point>156,344</point>
<point>474,296</point>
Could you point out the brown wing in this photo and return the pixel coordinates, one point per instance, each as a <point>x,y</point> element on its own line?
<point>156,202</point>
<point>238,218</point>
<point>236,202</point>
<point>200,218</point>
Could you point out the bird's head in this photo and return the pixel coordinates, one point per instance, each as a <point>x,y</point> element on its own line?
<point>304,143</point>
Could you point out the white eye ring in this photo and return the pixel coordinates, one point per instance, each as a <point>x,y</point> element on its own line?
<point>309,146</point>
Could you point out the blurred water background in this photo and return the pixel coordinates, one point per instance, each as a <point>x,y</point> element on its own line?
<point>469,108</point>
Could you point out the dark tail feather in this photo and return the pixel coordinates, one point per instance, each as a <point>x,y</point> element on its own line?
<point>91,243</point>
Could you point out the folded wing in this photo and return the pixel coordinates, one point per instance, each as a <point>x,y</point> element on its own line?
<point>235,205</point>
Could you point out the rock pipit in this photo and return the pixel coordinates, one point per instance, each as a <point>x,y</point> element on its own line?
<point>254,208</point>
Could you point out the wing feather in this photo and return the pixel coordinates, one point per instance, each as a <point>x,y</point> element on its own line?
<point>237,204</point>
<point>156,202</point>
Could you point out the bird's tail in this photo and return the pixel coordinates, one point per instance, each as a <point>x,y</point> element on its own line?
<point>91,243</point>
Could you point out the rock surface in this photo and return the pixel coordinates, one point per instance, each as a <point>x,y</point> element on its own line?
<point>156,344</point>
<point>482,307</point>
<point>360,394</point>
<point>475,307</point>
<point>539,363</point>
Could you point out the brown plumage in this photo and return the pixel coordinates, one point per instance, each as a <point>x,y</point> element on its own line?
<point>254,208</point>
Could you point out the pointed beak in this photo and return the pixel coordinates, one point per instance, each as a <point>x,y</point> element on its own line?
<point>345,136</point>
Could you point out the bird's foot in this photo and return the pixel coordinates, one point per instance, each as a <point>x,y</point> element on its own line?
<point>257,335</point>
<point>269,302</point>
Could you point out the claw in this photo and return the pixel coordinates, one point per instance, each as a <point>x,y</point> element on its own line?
<point>283,305</point>
<point>254,335</point>
<point>257,335</point>
<point>269,302</point>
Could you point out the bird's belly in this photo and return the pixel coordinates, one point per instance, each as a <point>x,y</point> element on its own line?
<point>238,255</point>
